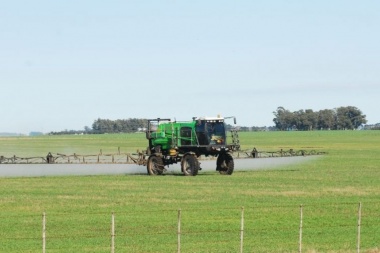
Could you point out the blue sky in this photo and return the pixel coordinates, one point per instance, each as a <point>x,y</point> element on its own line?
<point>64,64</point>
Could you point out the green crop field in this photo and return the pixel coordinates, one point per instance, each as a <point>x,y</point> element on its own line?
<point>69,144</point>
<point>79,208</point>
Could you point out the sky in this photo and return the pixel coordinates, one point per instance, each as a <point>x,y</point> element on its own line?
<point>64,64</point>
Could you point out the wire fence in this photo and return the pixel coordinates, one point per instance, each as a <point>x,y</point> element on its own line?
<point>343,227</point>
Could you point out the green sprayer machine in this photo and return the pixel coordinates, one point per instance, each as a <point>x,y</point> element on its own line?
<point>184,142</point>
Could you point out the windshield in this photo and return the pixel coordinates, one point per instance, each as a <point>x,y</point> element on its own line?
<point>211,133</point>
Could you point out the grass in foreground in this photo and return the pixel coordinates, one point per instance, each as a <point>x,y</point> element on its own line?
<point>330,188</point>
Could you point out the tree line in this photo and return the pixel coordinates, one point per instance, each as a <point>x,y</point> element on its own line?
<point>118,126</point>
<point>102,126</point>
<point>341,118</point>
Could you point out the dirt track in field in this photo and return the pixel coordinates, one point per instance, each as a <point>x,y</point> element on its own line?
<point>39,170</point>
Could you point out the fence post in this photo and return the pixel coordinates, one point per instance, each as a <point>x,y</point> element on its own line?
<point>113,233</point>
<point>359,225</point>
<point>242,230</point>
<point>179,232</point>
<point>301,225</point>
<point>43,232</point>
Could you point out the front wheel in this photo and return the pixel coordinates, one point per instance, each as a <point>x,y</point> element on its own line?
<point>225,164</point>
<point>190,165</point>
<point>155,165</point>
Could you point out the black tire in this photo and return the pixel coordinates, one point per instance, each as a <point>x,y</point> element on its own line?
<point>155,165</point>
<point>225,164</point>
<point>190,165</point>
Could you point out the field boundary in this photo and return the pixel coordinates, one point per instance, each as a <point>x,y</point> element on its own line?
<point>181,224</point>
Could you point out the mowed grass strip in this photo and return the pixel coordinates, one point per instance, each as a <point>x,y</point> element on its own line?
<point>79,208</point>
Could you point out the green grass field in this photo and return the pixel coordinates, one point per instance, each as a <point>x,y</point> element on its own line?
<point>79,208</point>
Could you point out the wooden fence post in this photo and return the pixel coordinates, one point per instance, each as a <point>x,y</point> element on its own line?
<point>242,230</point>
<point>113,233</point>
<point>43,232</point>
<point>359,225</point>
<point>301,226</point>
<point>179,232</point>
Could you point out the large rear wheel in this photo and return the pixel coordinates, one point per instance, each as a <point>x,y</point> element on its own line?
<point>155,165</point>
<point>225,164</point>
<point>190,165</point>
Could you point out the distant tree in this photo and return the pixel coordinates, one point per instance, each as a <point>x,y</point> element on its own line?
<point>117,126</point>
<point>326,119</point>
<point>311,119</point>
<point>306,120</point>
<point>284,119</point>
<point>87,129</point>
<point>349,117</point>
